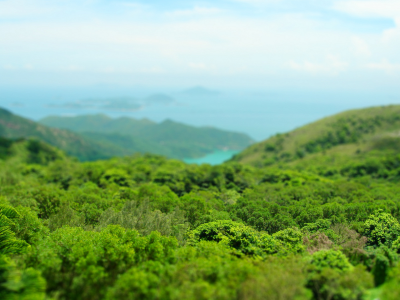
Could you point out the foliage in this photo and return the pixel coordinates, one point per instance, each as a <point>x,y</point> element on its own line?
<point>331,276</point>
<point>16,284</point>
<point>145,220</point>
<point>71,259</point>
<point>8,242</point>
<point>391,289</point>
<point>381,229</point>
<point>321,222</point>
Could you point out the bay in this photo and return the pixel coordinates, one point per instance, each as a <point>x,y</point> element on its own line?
<point>216,158</point>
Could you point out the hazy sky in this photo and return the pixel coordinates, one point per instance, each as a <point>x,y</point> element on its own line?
<point>319,44</point>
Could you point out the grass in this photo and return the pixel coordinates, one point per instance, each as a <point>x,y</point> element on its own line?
<point>372,128</point>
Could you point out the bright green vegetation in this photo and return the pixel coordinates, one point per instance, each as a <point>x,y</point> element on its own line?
<point>348,134</point>
<point>15,127</point>
<point>148,227</point>
<point>167,138</point>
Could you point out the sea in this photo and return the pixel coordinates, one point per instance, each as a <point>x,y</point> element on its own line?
<point>258,113</point>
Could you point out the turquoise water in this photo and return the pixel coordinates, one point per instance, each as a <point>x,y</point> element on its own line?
<point>216,158</point>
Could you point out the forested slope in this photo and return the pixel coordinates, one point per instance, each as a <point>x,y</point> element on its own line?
<point>14,127</point>
<point>349,133</point>
<point>168,138</point>
<point>100,137</point>
<point>147,227</point>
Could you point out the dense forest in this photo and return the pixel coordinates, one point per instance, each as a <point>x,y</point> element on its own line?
<point>309,215</point>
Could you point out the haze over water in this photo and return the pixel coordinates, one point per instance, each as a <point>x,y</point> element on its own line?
<point>257,113</point>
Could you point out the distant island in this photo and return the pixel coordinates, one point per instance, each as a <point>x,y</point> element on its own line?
<point>200,91</point>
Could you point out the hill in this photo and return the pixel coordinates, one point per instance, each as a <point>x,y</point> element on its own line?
<point>168,138</point>
<point>14,127</point>
<point>348,135</point>
<point>29,151</point>
<point>142,226</point>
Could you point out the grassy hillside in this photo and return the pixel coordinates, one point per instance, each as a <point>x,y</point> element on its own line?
<point>97,123</point>
<point>29,151</point>
<point>350,134</point>
<point>14,127</point>
<point>169,138</point>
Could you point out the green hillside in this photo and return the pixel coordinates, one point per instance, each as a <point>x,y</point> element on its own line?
<point>168,138</point>
<point>14,127</point>
<point>29,151</point>
<point>351,134</point>
<point>100,137</point>
<point>322,224</point>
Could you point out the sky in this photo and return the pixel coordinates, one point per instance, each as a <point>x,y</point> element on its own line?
<point>257,44</point>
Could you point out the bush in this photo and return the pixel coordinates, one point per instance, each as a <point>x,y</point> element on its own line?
<point>281,279</point>
<point>79,264</point>
<point>247,240</point>
<point>391,289</point>
<point>20,284</point>
<point>380,261</point>
<point>381,229</point>
<point>331,259</point>
<point>144,219</point>
<point>8,242</point>
<point>235,235</point>
<point>331,276</point>
<point>28,226</point>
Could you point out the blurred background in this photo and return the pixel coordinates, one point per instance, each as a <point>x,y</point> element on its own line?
<point>256,67</point>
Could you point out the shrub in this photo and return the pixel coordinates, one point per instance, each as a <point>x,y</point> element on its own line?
<point>232,234</point>
<point>160,197</point>
<point>247,240</point>
<point>331,259</point>
<point>391,289</point>
<point>28,226</point>
<point>280,279</point>
<point>142,218</point>
<point>8,242</point>
<point>80,264</point>
<point>351,243</point>
<point>379,261</point>
<point>331,276</point>
<point>291,240</point>
<point>381,229</point>
<point>20,284</point>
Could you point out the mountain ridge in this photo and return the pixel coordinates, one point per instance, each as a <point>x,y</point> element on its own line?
<point>178,140</point>
<point>359,130</point>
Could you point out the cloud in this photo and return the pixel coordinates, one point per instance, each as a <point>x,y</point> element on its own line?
<point>17,9</point>
<point>368,9</point>
<point>198,66</point>
<point>9,67</point>
<point>196,11</point>
<point>332,65</point>
<point>101,41</point>
<point>258,2</point>
<point>384,66</point>
<point>361,47</point>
